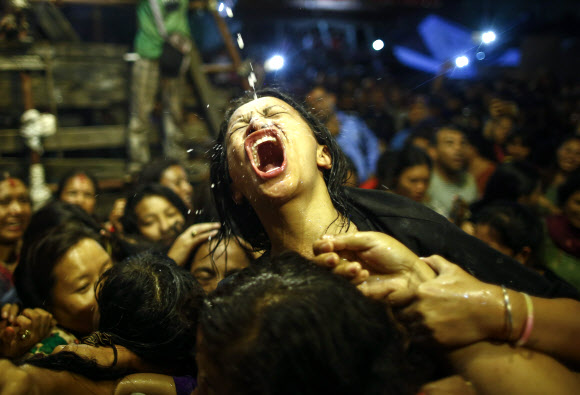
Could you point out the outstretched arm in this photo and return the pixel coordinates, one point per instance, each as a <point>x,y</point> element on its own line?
<point>456,307</point>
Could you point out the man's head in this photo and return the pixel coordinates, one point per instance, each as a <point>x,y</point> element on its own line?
<point>321,103</point>
<point>449,149</point>
<point>510,228</point>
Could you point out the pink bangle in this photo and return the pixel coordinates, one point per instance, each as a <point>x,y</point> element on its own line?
<point>529,322</point>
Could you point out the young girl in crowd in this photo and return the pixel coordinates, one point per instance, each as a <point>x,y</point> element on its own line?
<point>15,212</point>
<point>80,188</point>
<point>58,271</point>
<point>155,217</point>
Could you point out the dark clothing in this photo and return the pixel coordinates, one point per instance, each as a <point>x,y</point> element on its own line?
<point>426,233</point>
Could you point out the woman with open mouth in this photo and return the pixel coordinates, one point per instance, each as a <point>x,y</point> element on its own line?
<point>278,176</point>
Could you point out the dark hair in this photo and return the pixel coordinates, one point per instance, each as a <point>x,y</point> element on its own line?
<point>510,181</point>
<point>129,219</point>
<point>33,277</point>
<point>72,173</point>
<point>152,172</point>
<point>449,126</point>
<point>57,213</point>
<point>242,216</point>
<point>392,164</point>
<point>569,187</point>
<point>148,305</point>
<point>516,225</point>
<point>285,326</point>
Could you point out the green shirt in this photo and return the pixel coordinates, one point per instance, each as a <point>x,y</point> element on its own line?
<point>148,41</point>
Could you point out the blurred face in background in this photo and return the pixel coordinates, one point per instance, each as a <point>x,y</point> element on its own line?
<point>451,150</point>
<point>175,178</point>
<point>159,220</point>
<point>80,190</point>
<point>15,210</point>
<point>414,182</point>
<point>568,155</point>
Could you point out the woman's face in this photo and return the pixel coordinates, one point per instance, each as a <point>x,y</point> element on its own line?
<point>159,220</point>
<point>413,182</point>
<point>572,209</point>
<point>175,178</point>
<point>209,276</point>
<point>15,210</point>
<point>80,190</point>
<point>271,152</point>
<point>569,156</point>
<point>73,296</point>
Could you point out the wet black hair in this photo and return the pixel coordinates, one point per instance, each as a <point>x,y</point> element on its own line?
<point>241,218</point>
<point>392,164</point>
<point>516,225</point>
<point>129,219</point>
<point>510,181</point>
<point>72,173</point>
<point>285,326</point>
<point>148,305</point>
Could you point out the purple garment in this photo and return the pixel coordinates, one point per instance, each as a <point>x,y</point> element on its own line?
<point>184,385</point>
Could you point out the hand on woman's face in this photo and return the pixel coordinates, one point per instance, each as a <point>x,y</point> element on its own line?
<point>73,296</point>
<point>15,209</point>
<point>158,219</point>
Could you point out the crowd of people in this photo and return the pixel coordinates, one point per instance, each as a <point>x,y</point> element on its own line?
<point>390,244</point>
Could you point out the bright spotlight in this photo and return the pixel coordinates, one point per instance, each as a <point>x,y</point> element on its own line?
<point>378,45</point>
<point>488,37</point>
<point>276,62</point>
<point>221,7</point>
<point>461,61</point>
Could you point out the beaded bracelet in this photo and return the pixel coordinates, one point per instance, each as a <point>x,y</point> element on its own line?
<point>508,312</point>
<point>529,321</point>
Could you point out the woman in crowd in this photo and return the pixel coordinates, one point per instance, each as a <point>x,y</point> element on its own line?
<point>58,271</point>
<point>147,312</point>
<point>169,173</point>
<point>155,217</point>
<point>562,247</point>
<point>406,173</point>
<point>15,212</point>
<point>278,177</point>
<point>567,162</point>
<point>211,264</point>
<point>80,188</point>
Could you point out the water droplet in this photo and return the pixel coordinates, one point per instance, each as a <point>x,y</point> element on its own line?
<point>189,150</point>
<point>212,185</point>
<point>240,41</point>
<point>229,12</point>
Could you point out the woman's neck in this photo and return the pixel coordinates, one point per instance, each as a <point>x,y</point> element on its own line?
<point>296,224</point>
<point>9,253</point>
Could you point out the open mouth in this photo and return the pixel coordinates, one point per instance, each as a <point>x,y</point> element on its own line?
<point>266,152</point>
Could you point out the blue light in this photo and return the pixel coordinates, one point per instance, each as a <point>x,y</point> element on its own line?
<point>488,37</point>
<point>480,55</point>
<point>378,45</point>
<point>461,61</point>
<point>275,63</point>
